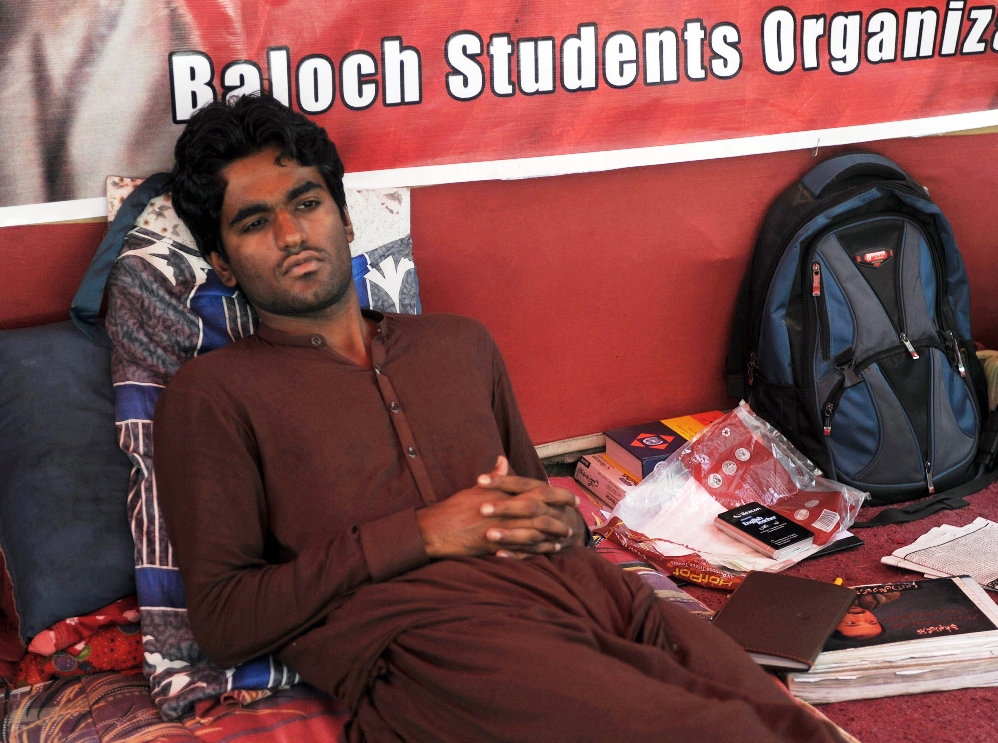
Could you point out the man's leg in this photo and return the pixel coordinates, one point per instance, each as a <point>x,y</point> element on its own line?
<point>567,649</point>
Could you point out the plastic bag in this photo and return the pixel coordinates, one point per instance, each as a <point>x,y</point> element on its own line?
<point>669,517</point>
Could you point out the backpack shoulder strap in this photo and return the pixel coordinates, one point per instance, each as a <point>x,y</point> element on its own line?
<point>952,500</point>
<point>735,366</point>
<point>839,168</point>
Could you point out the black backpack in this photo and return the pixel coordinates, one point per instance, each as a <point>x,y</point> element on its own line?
<point>853,335</point>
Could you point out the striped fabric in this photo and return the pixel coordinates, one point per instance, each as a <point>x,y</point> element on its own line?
<point>166,305</point>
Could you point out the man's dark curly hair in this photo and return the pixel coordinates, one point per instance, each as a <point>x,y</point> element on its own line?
<point>223,132</point>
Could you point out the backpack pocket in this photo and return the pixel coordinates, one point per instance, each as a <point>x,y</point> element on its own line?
<point>900,425</point>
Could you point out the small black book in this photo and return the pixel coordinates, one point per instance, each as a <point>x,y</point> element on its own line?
<point>781,620</point>
<point>764,530</point>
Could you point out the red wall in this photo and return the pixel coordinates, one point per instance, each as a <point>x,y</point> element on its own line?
<point>610,294</point>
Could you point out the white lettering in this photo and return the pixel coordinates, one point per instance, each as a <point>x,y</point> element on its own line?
<point>844,42</point>
<point>620,60</point>
<point>468,80</point>
<point>358,93</point>
<point>316,88</point>
<point>778,32</point>
<point>578,60</point>
<point>661,56</point>
<point>190,78</point>
<point>400,68</point>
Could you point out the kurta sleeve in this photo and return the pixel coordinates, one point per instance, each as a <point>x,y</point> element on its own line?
<point>519,449</point>
<point>243,601</point>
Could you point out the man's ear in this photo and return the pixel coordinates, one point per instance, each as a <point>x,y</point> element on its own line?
<point>221,267</point>
<point>347,225</point>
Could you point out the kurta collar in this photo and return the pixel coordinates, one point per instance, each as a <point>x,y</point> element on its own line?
<point>311,340</point>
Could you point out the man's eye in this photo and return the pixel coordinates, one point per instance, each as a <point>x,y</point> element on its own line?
<point>309,204</point>
<point>254,225</point>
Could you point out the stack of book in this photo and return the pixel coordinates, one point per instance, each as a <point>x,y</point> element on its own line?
<point>906,638</point>
<point>633,451</point>
<point>782,621</point>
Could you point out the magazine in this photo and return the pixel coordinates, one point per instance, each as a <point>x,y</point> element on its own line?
<point>953,550</point>
<point>907,637</point>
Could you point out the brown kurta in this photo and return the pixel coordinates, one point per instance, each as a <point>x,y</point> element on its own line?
<point>289,479</point>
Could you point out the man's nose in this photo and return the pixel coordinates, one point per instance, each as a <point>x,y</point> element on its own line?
<point>289,232</point>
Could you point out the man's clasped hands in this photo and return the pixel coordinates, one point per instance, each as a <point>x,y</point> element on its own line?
<point>503,515</point>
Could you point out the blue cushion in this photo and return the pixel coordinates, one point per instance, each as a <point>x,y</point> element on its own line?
<point>63,479</point>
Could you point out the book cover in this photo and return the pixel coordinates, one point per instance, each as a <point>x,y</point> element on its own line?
<point>783,621</point>
<point>689,426</point>
<point>765,530</point>
<point>907,637</point>
<point>637,449</point>
<point>607,482</point>
<point>909,610</point>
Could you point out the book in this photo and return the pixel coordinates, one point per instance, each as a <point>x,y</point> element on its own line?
<point>637,449</point>
<point>606,481</point>
<point>782,621</point>
<point>907,637</point>
<point>765,530</point>
<point>689,426</point>
<point>844,541</point>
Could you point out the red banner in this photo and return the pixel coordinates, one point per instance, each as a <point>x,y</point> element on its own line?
<point>103,89</point>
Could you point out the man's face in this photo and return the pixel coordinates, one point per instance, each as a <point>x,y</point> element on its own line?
<point>286,242</point>
<point>859,624</point>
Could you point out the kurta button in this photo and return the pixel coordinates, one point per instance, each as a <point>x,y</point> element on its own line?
<point>411,451</point>
<point>316,340</point>
<point>394,406</point>
<point>378,330</point>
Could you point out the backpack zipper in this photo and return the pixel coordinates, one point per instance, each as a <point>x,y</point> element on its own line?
<point>831,404</point>
<point>821,310</point>
<point>899,293</point>
<point>907,345</point>
<point>956,350</point>
<point>928,477</point>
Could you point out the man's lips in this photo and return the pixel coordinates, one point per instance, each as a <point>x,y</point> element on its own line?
<point>301,263</point>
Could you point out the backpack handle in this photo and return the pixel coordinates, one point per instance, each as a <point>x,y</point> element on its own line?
<point>837,169</point>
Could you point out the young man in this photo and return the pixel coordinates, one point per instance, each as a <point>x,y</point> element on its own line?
<point>356,493</point>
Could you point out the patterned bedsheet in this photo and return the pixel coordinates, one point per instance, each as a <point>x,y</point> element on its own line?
<point>117,708</point>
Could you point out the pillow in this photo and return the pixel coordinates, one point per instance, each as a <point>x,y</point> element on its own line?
<point>165,306</point>
<point>63,479</point>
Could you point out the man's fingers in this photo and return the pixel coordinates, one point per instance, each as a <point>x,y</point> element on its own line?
<point>524,508</point>
<point>520,508</point>
<point>500,470</point>
<point>515,485</point>
<point>514,555</point>
<point>530,533</point>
